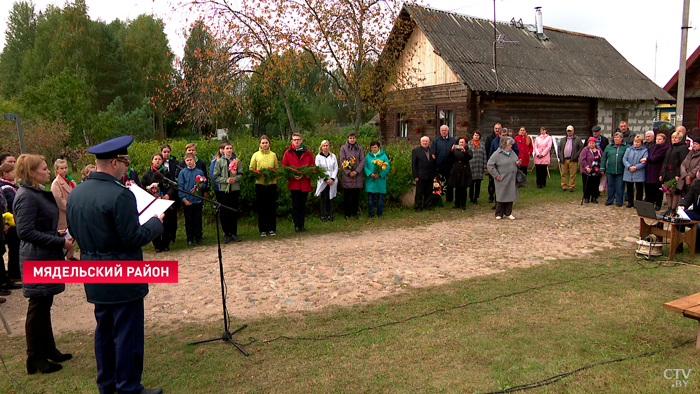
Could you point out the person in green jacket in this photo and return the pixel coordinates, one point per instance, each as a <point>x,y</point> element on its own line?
<point>613,168</point>
<point>228,174</point>
<point>376,169</point>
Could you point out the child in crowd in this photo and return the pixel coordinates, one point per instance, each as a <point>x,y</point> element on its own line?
<point>191,148</point>
<point>86,172</point>
<point>187,180</point>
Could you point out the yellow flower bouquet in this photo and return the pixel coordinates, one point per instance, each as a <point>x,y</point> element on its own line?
<point>8,219</point>
<point>379,166</point>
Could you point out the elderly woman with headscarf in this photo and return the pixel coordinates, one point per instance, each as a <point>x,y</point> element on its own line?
<point>503,166</point>
<point>613,168</point>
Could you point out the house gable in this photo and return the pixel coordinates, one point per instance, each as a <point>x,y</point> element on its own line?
<point>419,54</point>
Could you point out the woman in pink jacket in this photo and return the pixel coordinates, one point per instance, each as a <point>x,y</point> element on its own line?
<point>540,149</point>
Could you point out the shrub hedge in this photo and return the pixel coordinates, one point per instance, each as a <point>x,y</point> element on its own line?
<point>400,179</point>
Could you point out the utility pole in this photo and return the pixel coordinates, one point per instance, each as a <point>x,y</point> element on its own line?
<point>680,100</point>
<point>20,134</point>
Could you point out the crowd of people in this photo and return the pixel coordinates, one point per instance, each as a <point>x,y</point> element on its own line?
<point>99,213</point>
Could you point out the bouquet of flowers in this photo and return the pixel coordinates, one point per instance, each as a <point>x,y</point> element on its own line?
<point>313,172</point>
<point>200,183</point>
<point>437,186</point>
<point>129,183</point>
<point>233,169</point>
<point>379,166</point>
<point>8,219</point>
<point>349,163</point>
<point>267,174</point>
<point>669,187</point>
<point>154,189</point>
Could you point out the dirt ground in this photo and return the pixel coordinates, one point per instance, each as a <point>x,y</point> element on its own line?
<point>268,276</point>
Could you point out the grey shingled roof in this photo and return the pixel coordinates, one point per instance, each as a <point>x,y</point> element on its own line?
<point>568,64</point>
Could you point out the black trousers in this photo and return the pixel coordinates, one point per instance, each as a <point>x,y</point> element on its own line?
<point>475,190</point>
<point>267,207</point>
<point>631,196</point>
<point>229,219</point>
<point>504,208</point>
<point>326,202</point>
<point>12,242</point>
<point>541,174</point>
<point>193,221</point>
<point>40,342</point>
<point>460,197</point>
<point>590,189</point>
<point>445,173</point>
<point>170,221</point>
<point>653,194</point>
<point>351,201</point>
<point>299,207</point>
<point>119,342</point>
<point>424,195</point>
<point>492,188</point>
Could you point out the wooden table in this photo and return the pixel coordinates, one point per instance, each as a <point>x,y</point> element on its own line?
<point>689,307</point>
<point>663,229</point>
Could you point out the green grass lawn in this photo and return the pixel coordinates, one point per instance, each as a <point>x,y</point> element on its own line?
<point>479,335</point>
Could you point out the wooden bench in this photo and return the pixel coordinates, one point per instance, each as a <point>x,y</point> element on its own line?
<point>689,307</point>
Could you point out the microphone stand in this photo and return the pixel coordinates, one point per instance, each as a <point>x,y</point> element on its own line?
<point>227,335</point>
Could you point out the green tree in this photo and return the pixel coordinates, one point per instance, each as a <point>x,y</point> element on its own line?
<point>147,53</point>
<point>61,97</point>
<point>19,39</point>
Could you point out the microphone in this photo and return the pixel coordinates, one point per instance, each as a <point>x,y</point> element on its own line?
<point>158,178</point>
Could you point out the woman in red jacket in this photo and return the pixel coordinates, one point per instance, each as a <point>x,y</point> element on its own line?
<point>525,150</point>
<point>298,156</point>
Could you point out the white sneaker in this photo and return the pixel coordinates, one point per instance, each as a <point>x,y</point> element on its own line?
<point>272,233</point>
<point>498,218</point>
<point>263,234</point>
<point>511,217</point>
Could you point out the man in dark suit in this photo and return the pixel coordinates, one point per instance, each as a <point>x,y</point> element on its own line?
<point>103,219</point>
<point>600,140</point>
<point>423,166</point>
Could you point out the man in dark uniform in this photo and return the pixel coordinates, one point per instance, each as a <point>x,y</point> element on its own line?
<point>103,219</point>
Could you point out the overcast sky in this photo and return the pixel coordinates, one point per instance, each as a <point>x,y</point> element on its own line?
<point>633,27</point>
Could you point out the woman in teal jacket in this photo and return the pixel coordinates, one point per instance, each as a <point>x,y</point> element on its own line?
<point>612,166</point>
<point>375,177</point>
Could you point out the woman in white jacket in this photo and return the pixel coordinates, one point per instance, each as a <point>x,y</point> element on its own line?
<point>327,188</point>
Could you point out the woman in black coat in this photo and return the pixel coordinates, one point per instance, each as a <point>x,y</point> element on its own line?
<point>36,217</point>
<point>461,173</point>
<point>671,168</point>
<point>161,242</point>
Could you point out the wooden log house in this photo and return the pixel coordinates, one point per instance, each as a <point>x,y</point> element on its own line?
<point>553,78</point>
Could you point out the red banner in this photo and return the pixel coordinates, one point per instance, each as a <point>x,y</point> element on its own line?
<point>99,271</point>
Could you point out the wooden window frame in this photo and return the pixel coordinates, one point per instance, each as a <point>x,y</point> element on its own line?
<point>401,125</point>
